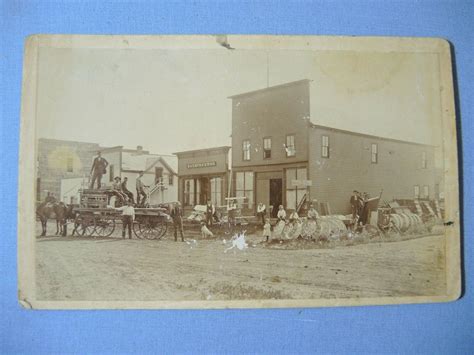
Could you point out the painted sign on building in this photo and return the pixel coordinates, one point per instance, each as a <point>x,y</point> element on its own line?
<point>201,165</point>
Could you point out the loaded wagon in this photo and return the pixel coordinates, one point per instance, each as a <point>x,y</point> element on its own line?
<point>94,217</point>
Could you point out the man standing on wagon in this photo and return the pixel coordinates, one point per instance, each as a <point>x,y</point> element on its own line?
<point>140,191</point>
<point>99,168</point>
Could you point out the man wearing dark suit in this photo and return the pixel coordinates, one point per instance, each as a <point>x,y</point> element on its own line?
<point>355,204</point>
<point>126,191</point>
<point>99,168</point>
<point>177,215</point>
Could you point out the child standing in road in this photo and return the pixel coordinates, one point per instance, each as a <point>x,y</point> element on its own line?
<point>267,233</point>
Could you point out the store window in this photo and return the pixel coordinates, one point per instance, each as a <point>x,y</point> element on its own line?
<point>290,145</point>
<point>417,191</point>
<point>244,189</point>
<point>295,190</point>
<point>424,163</point>
<point>246,149</point>
<point>375,153</point>
<point>325,146</point>
<point>216,191</point>
<point>267,148</point>
<point>189,192</point>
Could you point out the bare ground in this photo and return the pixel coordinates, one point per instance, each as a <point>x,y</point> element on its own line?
<point>88,269</point>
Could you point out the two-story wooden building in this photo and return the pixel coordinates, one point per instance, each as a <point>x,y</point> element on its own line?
<point>270,143</point>
<point>280,157</point>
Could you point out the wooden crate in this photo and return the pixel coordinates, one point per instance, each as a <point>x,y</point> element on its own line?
<point>93,199</point>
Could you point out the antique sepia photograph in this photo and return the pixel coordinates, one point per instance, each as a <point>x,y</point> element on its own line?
<point>237,171</point>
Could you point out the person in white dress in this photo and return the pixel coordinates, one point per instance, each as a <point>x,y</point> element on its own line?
<point>267,230</point>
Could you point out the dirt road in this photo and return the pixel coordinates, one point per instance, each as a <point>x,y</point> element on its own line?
<point>116,269</point>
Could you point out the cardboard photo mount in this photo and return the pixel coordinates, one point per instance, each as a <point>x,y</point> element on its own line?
<point>28,155</point>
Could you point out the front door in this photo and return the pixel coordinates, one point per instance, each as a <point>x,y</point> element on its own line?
<point>275,195</point>
<point>204,195</point>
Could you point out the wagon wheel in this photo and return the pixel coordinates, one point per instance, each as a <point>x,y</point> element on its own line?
<point>149,228</point>
<point>85,225</point>
<point>136,229</point>
<point>145,228</point>
<point>104,226</point>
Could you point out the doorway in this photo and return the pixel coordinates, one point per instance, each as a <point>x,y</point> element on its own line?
<point>275,195</point>
<point>204,194</point>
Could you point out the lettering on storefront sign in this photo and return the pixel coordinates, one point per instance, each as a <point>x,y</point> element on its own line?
<point>301,183</point>
<point>202,165</point>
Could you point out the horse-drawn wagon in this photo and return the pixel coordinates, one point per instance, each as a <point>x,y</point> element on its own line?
<point>94,217</point>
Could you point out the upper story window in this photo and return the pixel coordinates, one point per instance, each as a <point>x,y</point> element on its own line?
<point>170,179</point>
<point>267,148</point>
<point>424,163</point>
<point>246,149</point>
<point>325,146</point>
<point>69,165</point>
<point>375,153</point>
<point>158,175</point>
<point>290,145</point>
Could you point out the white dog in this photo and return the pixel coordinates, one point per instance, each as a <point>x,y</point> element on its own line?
<point>205,232</point>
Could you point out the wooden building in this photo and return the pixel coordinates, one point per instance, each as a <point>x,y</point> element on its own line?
<point>280,157</point>
<point>203,175</point>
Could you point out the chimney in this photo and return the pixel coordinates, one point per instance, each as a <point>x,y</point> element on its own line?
<point>139,149</point>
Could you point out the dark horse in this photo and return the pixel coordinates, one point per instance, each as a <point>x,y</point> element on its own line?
<point>58,211</point>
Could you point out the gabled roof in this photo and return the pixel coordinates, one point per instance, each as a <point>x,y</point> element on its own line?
<point>164,163</point>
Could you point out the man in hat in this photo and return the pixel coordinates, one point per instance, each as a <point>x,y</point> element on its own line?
<point>117,190</point>
<point>99,168</point>
<point>125,190</point>
<point>261,211</point>
<point>355,203</point>
<point>177,216</point>
<point>210,211</point>
<point>140,189</point>
<point>50,198</point>
<point>128,216</point>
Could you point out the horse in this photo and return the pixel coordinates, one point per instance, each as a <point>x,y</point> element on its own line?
<point>58,211</point>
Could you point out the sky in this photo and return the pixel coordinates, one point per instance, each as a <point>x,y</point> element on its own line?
<point>174,100</point>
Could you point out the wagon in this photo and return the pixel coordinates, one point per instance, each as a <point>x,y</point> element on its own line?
<point>94,217</point>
